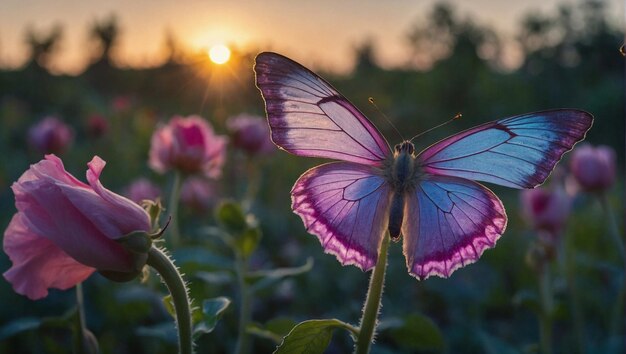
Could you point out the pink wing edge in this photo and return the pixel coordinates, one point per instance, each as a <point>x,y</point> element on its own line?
<point>302,206</point>
<point>466,253</point>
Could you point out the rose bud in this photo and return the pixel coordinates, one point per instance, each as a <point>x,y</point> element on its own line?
<point>250,134</point>
<point>593,167</point>
<point>142,189</point>
<point>50,136</point>
<point>545,210</point>
<point>64,230</point>
<point>188,145</point>
<point>198,194</point>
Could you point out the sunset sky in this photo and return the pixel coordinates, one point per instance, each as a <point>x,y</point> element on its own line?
<point>321,33</point>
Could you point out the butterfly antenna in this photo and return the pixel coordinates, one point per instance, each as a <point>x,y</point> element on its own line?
<point>371,101</point>
<point>456,116</point>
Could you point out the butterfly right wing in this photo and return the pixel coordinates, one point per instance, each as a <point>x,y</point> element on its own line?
<point>308,117</point>
<point>346,205</point>
<point>448,223</point>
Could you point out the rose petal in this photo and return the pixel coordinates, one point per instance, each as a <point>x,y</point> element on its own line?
<point>38,264</point>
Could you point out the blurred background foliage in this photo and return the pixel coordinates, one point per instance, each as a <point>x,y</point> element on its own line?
<point>571,58</point>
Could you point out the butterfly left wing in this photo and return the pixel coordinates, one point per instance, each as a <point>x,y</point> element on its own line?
<point>448,223</point>
<point>346,205</point>
<point>517,152</point>
<point>308,117</point>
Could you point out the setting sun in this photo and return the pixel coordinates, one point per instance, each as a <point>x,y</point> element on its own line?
<point>219,54</point>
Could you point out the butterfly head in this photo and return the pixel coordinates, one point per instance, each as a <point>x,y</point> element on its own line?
<point>406,147</point>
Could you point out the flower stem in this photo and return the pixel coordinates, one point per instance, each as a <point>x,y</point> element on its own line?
<point>174,232</point>
<point>244,305</point>
<point>80,343</point>
<point>568,252</point>
<point>547,306</point>
<point>613,229</point>
<point>617,316</point>
<point>158,260</point>
<point>372,301</point>
<point>253,183</point>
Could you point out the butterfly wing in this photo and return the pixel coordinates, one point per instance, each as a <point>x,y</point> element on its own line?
<point>308,117</point>
<point>346,205</point>
<point>448,223</point>
<point>518,152</point>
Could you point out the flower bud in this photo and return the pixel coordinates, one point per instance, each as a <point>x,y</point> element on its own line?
<point>251,134</point>
<point>64,229</point>
<point>50,136</point>
<point>142,189</point>
<point>545,209</point>
<point>593,167</point>
<point>188,145</point>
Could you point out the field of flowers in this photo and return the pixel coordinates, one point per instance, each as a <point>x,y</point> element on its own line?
<point>117,182</point>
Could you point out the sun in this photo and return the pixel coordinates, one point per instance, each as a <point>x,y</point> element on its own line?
<point>219,54</point>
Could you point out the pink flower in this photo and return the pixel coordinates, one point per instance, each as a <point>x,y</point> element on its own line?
<point>251,134</point>
<point>65,229</point>
<point>50,136</point>
<point>198,194</point>
<point>188,145</point>
<point>97,125</point>
<point>121,104</point>
<point>546,210</point>
<point>593,167</point>
<point>141,189</point>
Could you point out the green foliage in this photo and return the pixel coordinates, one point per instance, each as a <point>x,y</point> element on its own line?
<point>569,58</point>
<point>212,310</point>
<point>416,333</point>
<point>311,337</point>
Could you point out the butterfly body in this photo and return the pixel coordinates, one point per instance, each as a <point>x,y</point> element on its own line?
<point>402,177</point>
<point>446,218</point>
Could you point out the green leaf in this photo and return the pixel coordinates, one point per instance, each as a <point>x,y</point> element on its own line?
<point>274,329</point>
<point>212,310</point>
<point>19,325</point>
<point>263,278</point>
<point>418,333</point>
<point>165,331</point>
<point>214,278</point>
<point>247,241</point>
<point>311,337</point>
<point>230,215</point>
<point>169,305</point>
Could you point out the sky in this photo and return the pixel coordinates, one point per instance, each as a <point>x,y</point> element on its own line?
<point>320,33</point>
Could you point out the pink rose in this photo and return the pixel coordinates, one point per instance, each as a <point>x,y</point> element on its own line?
<point>198,194</point>
<point>251,134</point>
<point>593,167</point>
<point>50,136</point>
<point>188,145</point>
<point>546,210</point>
<point>141,189</point>
<point>65,229</point>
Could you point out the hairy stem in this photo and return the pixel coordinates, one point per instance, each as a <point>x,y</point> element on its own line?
<point>158,260</point>
<point>372,301</point>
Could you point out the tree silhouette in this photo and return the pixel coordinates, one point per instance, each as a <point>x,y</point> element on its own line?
<point>106,33</point>
<point>42,46</point>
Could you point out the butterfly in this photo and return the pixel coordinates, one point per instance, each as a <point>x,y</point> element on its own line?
<point>430,198</point>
